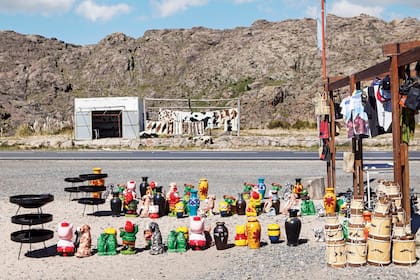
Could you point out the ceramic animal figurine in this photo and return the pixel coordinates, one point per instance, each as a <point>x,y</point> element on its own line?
<point>197,237</point>
<point>207,207</point>
<point>157,245</point>
<point>85,242</point>
<point>65,246</point>
<point>128,236</point>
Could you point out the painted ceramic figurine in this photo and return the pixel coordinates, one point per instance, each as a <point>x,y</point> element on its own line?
<point>146,202</point>
<point>254,203</point>
<point>176,242</point>
<point>85,243</point>
<point>147,238</point>
<point>65,246</point>
<point>128,236</point>
<point>247,190</point>
<point>107,242</point>
<point>157,244</point>
<point>130,205</point>
<point>240,237</point>
<point>197,238</point>
<point>173,198</point>
<point>207,207</point>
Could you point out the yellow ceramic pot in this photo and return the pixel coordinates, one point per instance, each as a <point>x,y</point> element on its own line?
<point>203,188</point>
<point>330,201</point>
<point>274,232</point>
<point>253,233</point>
<point>240,237</point>
<point>98,182</point>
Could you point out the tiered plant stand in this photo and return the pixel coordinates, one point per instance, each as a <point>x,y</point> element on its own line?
<point>31,235</point>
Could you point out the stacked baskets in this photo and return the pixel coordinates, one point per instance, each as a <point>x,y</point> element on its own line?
<point>335,246</point>
<point>356,248</point>
<point>384,239</point>
<point>403,241</point>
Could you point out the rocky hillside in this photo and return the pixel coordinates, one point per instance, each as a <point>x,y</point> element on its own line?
<point>274,67</point>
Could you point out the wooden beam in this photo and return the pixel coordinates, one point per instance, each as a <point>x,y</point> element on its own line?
<point>373,72</point>
<point>339,83</point>
<point>398,48</point>
<point>408,57</point>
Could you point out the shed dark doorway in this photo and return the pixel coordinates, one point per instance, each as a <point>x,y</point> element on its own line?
<point>106,124</point>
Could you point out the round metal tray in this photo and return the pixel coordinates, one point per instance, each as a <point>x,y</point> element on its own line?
<point>92,188</point>
<point>31,200</point>
<point>32,219</point>
<point>93,176</point>
<point>72,189</point>
<point>31,235</point>
<point>91,200</point>
<point>74,179</point>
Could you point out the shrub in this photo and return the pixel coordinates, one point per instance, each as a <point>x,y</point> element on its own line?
<point>278,124</point>
<point>299,124</point>
<point>23,130</point>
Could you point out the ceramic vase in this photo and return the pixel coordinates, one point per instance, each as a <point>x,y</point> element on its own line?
<point>330,201</point>
<point>261,187</point>
<point>143,186</point>
<point>203,188</point>
<point>116,204</point>
<point>276,203</point>
<point>221,235</point>
<point>253,233</point>
<point>194,203</point>
<point>159,199</point>
<point>240,205</point>
<point>293,226</point>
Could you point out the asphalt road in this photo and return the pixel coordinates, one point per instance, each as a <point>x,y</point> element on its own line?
<point>184,155</point>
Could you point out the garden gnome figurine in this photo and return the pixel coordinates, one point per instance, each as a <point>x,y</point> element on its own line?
<point>128,236</point>
<point>157,244</point>
<point>65,246</point>
<point>85,242</point>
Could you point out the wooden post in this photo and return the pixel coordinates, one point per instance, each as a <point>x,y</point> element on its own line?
<point>396,130</point>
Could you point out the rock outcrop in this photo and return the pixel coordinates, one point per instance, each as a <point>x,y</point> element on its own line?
<point>274,67</point>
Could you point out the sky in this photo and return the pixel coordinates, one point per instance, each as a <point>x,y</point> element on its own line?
<point>86,22</point>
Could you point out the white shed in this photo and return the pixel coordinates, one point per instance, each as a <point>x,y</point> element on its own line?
<point>107,117</point>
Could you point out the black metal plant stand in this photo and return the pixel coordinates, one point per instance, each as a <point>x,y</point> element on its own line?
<point>31,235</point>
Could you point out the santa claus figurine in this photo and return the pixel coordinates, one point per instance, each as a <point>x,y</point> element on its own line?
<point>65,245</point>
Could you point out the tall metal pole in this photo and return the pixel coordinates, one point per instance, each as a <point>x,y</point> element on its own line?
<point>324,57</point>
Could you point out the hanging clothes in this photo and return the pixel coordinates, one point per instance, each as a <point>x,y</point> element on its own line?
<point>355,116</point>
<point>372,113</point>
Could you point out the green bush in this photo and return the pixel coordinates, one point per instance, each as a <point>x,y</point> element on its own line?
<point>23,130</point>
<point>299,124</point>
<point>278,124</point>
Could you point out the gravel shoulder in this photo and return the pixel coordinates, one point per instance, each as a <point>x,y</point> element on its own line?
<point>306,261</point>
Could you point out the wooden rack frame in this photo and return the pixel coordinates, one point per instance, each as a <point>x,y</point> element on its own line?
<point>399,55</point>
